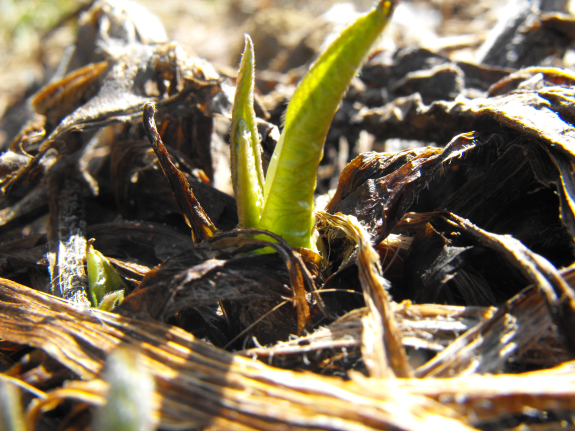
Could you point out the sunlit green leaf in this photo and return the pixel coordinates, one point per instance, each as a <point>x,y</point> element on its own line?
<point>292,173</point>
<point>103,280</point>
<point>247,174</point>
<point>111,300</point>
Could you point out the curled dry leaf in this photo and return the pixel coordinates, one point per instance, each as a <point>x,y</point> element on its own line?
<point>196,218</point>
<point>382,350</point>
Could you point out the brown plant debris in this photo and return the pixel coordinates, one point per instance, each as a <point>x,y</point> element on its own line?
<point>442,296</point>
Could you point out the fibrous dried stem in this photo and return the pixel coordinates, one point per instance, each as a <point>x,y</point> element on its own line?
<point>198,385</point>
<point>67,242</point>
<point>382,349</point>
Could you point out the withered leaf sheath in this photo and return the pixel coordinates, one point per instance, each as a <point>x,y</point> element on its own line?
<point>196,218</point>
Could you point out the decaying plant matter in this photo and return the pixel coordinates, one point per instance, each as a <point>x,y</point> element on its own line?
<point>440,296</point>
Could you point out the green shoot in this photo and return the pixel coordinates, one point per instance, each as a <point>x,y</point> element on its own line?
<point>289,187</point>
<point>111,300</point>
<point>247,173</point>
<point>130,397</point>
<point>105,285</point>
<point>292,174</point>
<point>11,415</point>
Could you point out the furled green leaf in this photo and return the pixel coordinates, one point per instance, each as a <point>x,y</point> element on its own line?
<point>247,174</point>
<point>103,281</point>
<point>292,173</point>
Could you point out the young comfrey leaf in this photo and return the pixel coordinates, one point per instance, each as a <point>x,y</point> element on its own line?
<point>291,178</point>
<point>246,164</point>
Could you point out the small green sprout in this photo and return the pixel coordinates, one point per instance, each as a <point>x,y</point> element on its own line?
<point>130,397</point>
<point>289,187</point>
<point>106,287</point>
<point>11,416</point>
<point>247,173</point>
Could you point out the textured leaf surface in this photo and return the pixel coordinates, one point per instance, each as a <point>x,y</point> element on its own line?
<point>246,163</point>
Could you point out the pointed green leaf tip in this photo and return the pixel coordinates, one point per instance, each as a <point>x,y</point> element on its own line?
<point>105,285</point>
<point>246,164</point>
<point>292,173</point>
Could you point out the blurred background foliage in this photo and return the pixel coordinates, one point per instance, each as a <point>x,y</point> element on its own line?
<point>35,33</point>
<point>22,21</point>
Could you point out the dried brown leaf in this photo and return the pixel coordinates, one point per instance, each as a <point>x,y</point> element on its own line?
<point>382,348</point>
<point>378,188</point>
<point>199,384</point>
<point>196,218</point>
